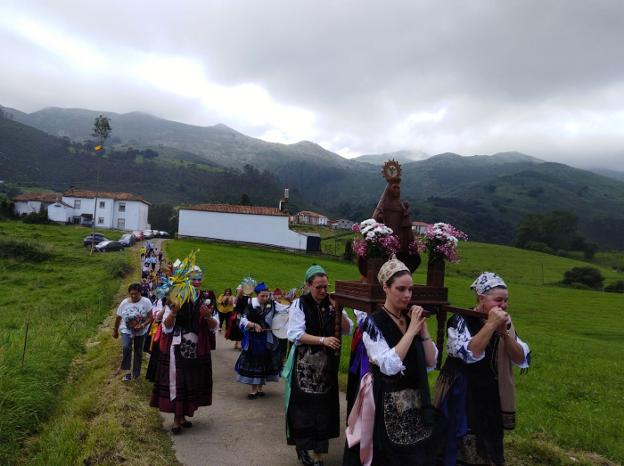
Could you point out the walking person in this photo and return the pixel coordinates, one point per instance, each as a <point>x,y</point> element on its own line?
<point>225,305</point>
<point>311,372</point>
<point>392,421</point>
<point>261,359</point>
<point>475,388</point>
<point>184,373</point>
<point>134,315</point>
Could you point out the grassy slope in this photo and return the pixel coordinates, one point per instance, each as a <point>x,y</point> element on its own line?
<point>574,390</point>
<point>100,419</point>
<point>63,300</point>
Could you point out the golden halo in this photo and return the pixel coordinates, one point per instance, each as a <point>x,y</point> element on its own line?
<point>391,170</point>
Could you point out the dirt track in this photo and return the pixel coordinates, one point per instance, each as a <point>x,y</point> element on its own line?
<point>238,431</point>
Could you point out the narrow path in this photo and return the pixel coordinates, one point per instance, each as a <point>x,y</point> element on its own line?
<point>236,431</point>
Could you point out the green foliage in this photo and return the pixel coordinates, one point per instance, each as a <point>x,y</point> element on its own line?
<point>23,250</point>
<point>617,287</point>
<point>163,217</point>
<point>62,297</point>
<point>588,276</point>
<point>101,128</point>
<point>40,217</point>
<point>348,251</point>
<point>539,246</point>
<point>557,230</point>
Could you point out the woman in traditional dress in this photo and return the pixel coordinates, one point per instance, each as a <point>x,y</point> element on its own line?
<point>312,405</point>
<point>184,374</point>
<point>475,388</point>
<point>261,358</point>
<point>243,298</point>
<point>393,420</point>
<point>225,305</point>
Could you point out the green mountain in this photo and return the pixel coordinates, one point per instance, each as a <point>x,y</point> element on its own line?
<point>485,195</point>
<point>402,156</point>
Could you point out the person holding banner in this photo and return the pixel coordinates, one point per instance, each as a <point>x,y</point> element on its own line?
<point>392,422</point>
<point>261,359</point>
<point>311,372</point>
<point>475,388</point>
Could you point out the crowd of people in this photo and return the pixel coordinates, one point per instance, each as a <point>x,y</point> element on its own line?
<point>393,418</point>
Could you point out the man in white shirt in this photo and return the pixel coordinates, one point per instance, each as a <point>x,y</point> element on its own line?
<point>133,318</point>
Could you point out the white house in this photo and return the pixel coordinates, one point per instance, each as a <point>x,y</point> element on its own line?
<point>29,203</point>
<point>342,224</point>
<point>419,227</point>
<point>307,217</point>
<point>121,211</point>
<point>244,224</point>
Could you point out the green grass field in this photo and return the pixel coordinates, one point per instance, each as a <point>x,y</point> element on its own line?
<point>573,396</point>
<point>62,299</point>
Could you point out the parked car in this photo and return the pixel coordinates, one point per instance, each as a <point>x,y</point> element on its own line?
<point>96,238</point>
<point>127,239</point>
<point>163,234</point>
<point>148,234</point>
<point>138,235</point>
<point>107,246</point>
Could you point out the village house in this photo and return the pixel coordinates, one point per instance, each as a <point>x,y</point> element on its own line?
<point>121,211</point>
<point>243,224</point>
<point>419,227</point>
<point>342,224</point>
<point>32,203</point>
<point>307,217</point>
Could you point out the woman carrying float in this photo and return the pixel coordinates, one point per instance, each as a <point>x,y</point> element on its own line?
<point>392,421</point>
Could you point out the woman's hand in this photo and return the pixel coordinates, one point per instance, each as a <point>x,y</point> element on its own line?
<point>417,316</point>
<point>331,342</point>
<point>498,319</point>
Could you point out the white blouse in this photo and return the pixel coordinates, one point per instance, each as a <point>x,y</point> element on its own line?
<point>380,353</point>
<point>459,337</point>
<point>296,322</point>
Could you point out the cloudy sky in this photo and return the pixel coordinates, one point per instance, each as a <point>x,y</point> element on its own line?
<point>356,76</point>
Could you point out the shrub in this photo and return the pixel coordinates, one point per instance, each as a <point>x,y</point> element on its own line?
<point>348,252</point>
<point>119,268</point>
<point>29,251</point>
<point>539,246</point>
<point>37,217</point>
<point>589,276</point>
<point>617,287</point>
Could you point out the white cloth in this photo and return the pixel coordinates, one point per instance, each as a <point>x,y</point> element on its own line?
<point>386,358</point>
<point>296,322</point>
<point>129,311</point>
<point>459,337</point>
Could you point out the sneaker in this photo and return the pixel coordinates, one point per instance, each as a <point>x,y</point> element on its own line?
<point>127,378</point>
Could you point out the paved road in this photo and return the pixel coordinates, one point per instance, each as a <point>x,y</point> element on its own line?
<point>237,431</point>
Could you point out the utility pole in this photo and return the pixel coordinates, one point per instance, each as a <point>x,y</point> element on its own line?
<point>101,130</point>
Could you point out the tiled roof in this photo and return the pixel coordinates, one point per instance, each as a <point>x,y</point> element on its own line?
<point>42,197</point>
<point>104,195</point>
<point>237,209</point>
<point>309,213</point>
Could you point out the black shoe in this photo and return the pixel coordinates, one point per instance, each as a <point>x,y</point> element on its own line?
<point>177,430</point>
<point>304,457</point>
<point>318,463</point>
<point>187,424</point>
<point>252,396</point>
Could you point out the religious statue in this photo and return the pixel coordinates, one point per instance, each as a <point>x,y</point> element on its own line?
<point>394,213</point>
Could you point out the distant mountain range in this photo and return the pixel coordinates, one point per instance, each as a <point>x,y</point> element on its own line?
<point>486,195</point>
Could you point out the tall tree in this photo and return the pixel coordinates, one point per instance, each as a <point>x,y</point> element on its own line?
<point>101,130</point>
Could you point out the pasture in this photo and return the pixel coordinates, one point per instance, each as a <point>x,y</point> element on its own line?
<point>50,286</point>
<point>573,395</point>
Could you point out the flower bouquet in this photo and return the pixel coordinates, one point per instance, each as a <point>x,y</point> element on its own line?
<point>375,240</point>
<point>439,241</point>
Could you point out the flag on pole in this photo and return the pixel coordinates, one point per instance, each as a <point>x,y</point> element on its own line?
<point>99,149</point>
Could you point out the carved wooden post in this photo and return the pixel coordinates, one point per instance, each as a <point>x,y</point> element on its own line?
<point>435,277</point>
